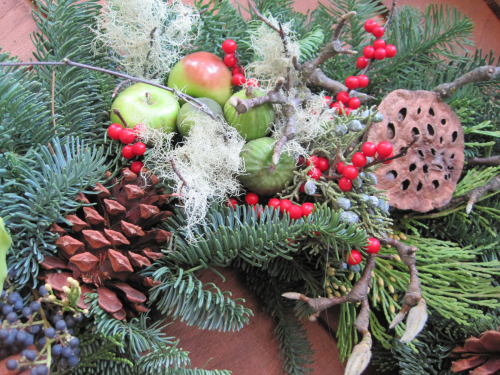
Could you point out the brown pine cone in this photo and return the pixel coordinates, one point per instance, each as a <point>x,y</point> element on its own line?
<point>109,241</point>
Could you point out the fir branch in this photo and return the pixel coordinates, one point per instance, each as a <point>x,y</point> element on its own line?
<point>484,73</point>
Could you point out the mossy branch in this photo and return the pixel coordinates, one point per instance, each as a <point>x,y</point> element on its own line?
<point>481,74</point>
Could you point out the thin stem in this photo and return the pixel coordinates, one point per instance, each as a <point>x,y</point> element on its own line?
<point>119,86</point>
<point>391,14</point>
<point>118,113</point>
<point>178,173</point>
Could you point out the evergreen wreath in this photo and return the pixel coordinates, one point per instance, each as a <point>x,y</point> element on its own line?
<point>97,251</point>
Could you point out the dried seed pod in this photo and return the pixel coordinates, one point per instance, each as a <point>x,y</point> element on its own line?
<point>427,176</point>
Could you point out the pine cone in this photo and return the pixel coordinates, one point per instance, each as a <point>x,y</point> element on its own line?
<point>109,241</point>
<point>480,355</point>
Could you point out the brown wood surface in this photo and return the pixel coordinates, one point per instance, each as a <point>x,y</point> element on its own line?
<point>253,350</point>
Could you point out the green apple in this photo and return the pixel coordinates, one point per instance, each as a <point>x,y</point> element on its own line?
<point>185,120</point>
<point>142,103</point>
<point>202,75</point>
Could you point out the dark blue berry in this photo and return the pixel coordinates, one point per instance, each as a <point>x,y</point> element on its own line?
<point>12,317</point>
<point>35,329</point>
<point>43,291</point>
<point>7,309</point>
<point>70,322</point>
<point>4,334</point>
<point>22,336</point>
<point>2,304</point>
<point>27,312</point>
<point>71,331</point>
<point>74,342</point>
<point>34,371</point>
<point>73,361</point>
<point>35,306</point>
<point>29,340</point>
<point>10,340</point>
<point>11,364</point>
<point>30,355</point>
<point>56,318</point>
<point>76,351</point>
<point>42,342</point>
<point>14,297</point>
<point>78,317</point>
<point>66,352</point>
<point>50,333</point>
<point>61,325</point>
<point>3,294</point>
<point>43,370</point>
<point>19,304</point>
<point>57,350</point>
<point>12,272</point>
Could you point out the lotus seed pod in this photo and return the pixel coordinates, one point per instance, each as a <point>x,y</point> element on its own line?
<point>379,117</point>
<point>330,271</point>
<point>343,203</point>
<point>356,268</point>
<point>390,288</point>
<point>395,297</point>
<point>329,290</point>
<point>355,126</point>
<point>373,202</point>
<point>392,279</point>
<point>310,187</point>
<point>383,205</point>
<point>343,288</point>
<point>392,309</point>
<point>337,294</point>
<point>340,130</point>
<point>371,179</point>
<point>335,286</point>
<point>357,182</point>
<point>351,276</point>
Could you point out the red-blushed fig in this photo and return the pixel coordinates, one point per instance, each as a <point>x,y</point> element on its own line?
<point>262,176</point>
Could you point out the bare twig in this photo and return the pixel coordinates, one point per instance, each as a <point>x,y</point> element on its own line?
<point>484,73</point>
<point>118,113</point>
<point>119,86</point>
<point>53,103</point>
<point>391,14</point>
<point>318,78</point>
<point>403,152</point>
<point>178,173</point>
<point>492,161</point>
<point>66,61</point>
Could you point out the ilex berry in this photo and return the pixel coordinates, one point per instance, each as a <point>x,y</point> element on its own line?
<point>379,54</point>
<point>362,62</point>
<point>274,202</point>
<point>239,79</point>
<point>388,161</point>
<point>232,203</point>
<point>295,212</point>
<point>252,199</point>
<point>354,103</point>
<point>252,82</point>
<point>352,82</point>
<point>379,43</point>
<point>363,80</point>
<point>307,208</point>
<point>370,25</point>
<point>368,52</point>
<point>139,148</point>
<point>314,173</point>
<point>373,246</point>
<point>354,257</point>
<point>322,164</point>
<point>390,51</point>
<point>230,60</point>
<point>378,32</point>
<point>345,184</point>
<point>114,131</point>
<point>343,97</point>
<point>236,70</point>
<point>384,149</point>
<point>285,204</point>
<point>359,160</point>
<point>128,152</point>
<point>127,136</point>
<point>311,160</point>
<point>340,167</point>
<point>350,172</point>
<point>136,167</point>
<point>369,149</point>
<point>229,46</point>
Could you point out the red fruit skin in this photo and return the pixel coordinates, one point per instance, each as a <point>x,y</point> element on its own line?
<point>359,160</point>
<point>311,159</point>
<point>373,246</point>
<point>343,97</point>
<point>285,204</point>
<point>363,80</point>
<point>345,184</point>
<point>348,110</point>
<point>340,167</point>
<point>354,103</point>
<point>354,257</point>
<point>138,129</point>
<point>229,46</point>
<point>369,149</point>
<point>327,99</point>
<point>301,161</point>
<point>251,199</point>
<point>127,136</point>
<point>253,82</point>
<point>139,148</point>
<point>378,32</point>
<point>389,161</point>
<point>352,82</point>
<point>260,210</point>
<point>368,52</point>
<point>314,173</point>
<point>390,51</point>
<point>384,149</point>
<point>379,54</point>
<point>362,62</point>
<point>370,25</point>
<point>350,172</point>
<point>114,131</point>
<point>230,60</point>
<point>236,70</point>
<point>379,43</point>
<point>274,202</point>
<point>322,164</point>
<point>239,79</point>
<point>232,203</point>
<point>295,212</point>
<point>339,107</point>
<point>136,166</point>
<point>128,152</point>
<point>307,208</point>
<point>301,188</point>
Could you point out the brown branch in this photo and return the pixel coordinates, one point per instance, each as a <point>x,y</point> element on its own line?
<point>118,113</point>
<point>484,73</point>
<point>66,61</point>
<point>492,161</point>
<point>289,109</point>
<point>494,6</point>
<point>119,86</point>
<point>403,152</point>
<point>391,14</point>
<point>318,78</point>
<point>53,102</point>
<point>178,173</point>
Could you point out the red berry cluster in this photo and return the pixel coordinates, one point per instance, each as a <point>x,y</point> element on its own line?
<point>354,256</point>
<point>284,205</point>
<point>343,98</point>
<point>379,50</point>
<point>127,136</point>
<point>319,165</point>
<point>229,47</point>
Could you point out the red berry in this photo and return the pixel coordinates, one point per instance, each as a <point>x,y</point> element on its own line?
<point>343,97</point>
<point>350,172</point>
<point>260,210</point>
<point>300,161</point>
<point>390,51</point>
<point>388,161</point>
<point>237,70</point>
<point>369,149</point>
<point>370,25</point>
<point>307,208</point>
<point>252,199</point>
<point>239,79</point>
<point>301,188</point>
<point>253,82</point>
<point>311,159</point>
<point>322,164</point>
<point>114,131</point>
<point>274,202</point>
<point>352,82</point>
<point>379,43</point>
<point>139,148</point>
<point>363,80</point>
<point>359,160</point>
<point>340,167</point>
<point>345,184</point>
<point>136,166</point>
<point>368,52</point>
<point>229,46</point>
<point>128,152</point>
<point>354,257</point>
<point>232,203</point>
<point>373,246</point>
<point>139,129</point>
<point>295,212</point>
<point>317,234</point>
<point>348,110</point>
<point>378,32</point>
<point>285,204</point>
<point>379,54</point>
<point>127,136</point>
<point>327,99</point>
<point>354,103</point>
<point>384,149</point>
<point>230,60</point>
<point>314,173</point>
<point>339,107</point>
<point>362,62</point>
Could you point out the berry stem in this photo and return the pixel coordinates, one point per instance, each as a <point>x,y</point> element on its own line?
<point>119,86</point>
<point>391,14</point>
<point>117,112</point>
<point>401,154</point>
